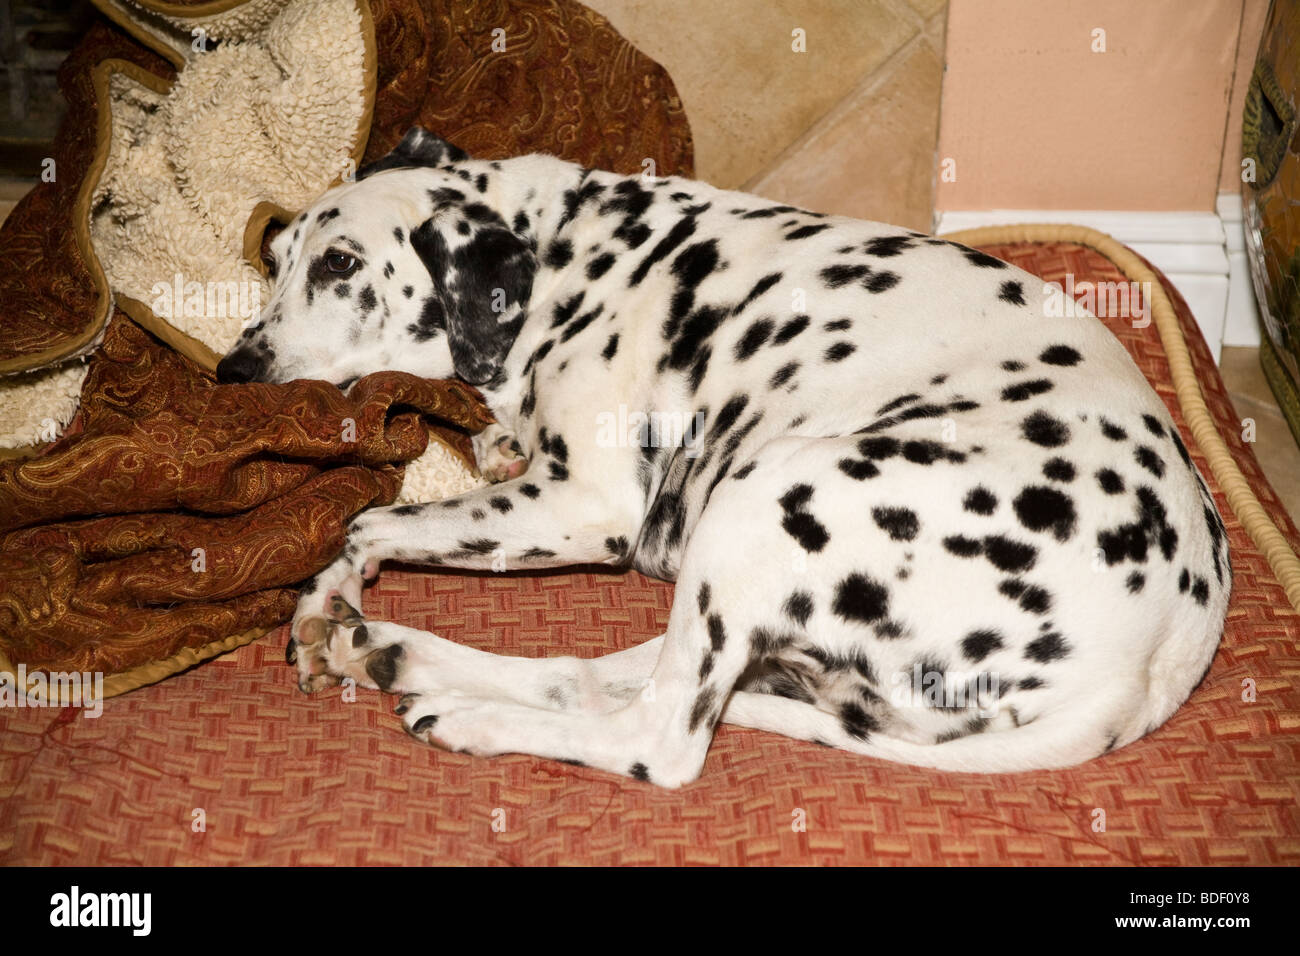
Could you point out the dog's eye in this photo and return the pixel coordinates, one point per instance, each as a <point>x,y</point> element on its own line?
<point>268,260</point>
<point>340,263</point>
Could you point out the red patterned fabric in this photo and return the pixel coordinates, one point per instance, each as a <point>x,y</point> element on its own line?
<point>288,779</point>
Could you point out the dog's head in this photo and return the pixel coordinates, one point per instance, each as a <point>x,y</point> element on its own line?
<point>405,269</point>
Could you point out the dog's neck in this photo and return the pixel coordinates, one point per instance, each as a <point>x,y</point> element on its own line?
<point>535,186</point>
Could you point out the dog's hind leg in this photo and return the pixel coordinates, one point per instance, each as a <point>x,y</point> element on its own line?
<point>718,626</point>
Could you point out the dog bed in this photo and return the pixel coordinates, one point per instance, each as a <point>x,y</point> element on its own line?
<point>165,526</point>
<point>287,779</point>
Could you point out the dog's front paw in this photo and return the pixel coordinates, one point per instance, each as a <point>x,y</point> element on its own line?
<point>331,598</point>
<point>498,454</point>
<point>453,722</point>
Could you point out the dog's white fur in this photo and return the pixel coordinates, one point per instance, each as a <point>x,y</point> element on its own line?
<point>846,563</point>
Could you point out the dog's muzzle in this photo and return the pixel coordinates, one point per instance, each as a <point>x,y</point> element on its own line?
<point>241,365</point>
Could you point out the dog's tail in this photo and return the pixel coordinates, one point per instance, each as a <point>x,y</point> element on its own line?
<point>1056,740</point>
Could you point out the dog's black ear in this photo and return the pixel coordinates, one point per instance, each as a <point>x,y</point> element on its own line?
<point>418,147</point>
<point>481,291</point>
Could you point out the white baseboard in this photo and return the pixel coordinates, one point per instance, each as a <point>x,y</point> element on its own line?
<point>1241,324</point>
<point>1202,253</point>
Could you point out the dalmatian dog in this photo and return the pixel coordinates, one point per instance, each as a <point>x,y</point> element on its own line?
<point>911,511</point>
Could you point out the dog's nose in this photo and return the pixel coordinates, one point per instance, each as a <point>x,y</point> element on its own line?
<point>241,365</point>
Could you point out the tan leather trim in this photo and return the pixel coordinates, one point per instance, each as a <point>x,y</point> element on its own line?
<point>118,684</point>
<point>263,214</point>
<point>101,77</point>
<point>118,12</point>
<point>187,345</point>
<point>370,64</point>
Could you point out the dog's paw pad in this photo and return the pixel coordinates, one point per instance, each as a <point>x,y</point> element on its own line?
<point>311,631</point>
<point>340,611</point>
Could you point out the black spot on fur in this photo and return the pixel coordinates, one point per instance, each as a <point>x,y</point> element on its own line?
<point>898,402</point>
<point>858,469</point>
<point>982,259</point>
<point>753,339</point>
<point>886,247</point>
<point>799,523</point>
<point>1112,431</point>
<point>760,287</point>
<point>1148,459</point>
<point>962,546</point>
<point>1012,292</point>
<point>598,266</point>
<point>703,597</point>
<point>559,254</point>
<point>1058,469</point>
<point>859,599</point>
<point>1045,430</point>
<point>1023,391</point>
<point>1030,597</point>
<point>1110,482</point>
<point>717,633</point>
<point>791,329</point>
<point>1050,647</point>
<point>799,607</point>
<point>1201,591</point>
<point>680,232</point>
<point>840,351</point>
<point>881,282</point>
<point>610,347</point>
<point>879,448</point>
<point>1040,508</point>
<point>783,374</point>
<point>1008,555</point>
<point>805,231</point>
<point>1060,355</point>
<point>857,723</point>
<point>901,524</point>
<point>980,501</point>
<point>704,704</point>
<point>978,645</point>
<point>618,548</point>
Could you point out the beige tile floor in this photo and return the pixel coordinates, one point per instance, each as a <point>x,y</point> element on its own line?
<point>849,125</point>
<point>1274,445</point>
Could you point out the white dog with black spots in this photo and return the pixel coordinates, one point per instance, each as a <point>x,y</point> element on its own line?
<point>922,521</point>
